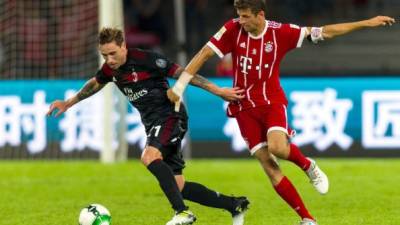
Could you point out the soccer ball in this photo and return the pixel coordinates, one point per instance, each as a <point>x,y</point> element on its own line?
<point>95,214</point>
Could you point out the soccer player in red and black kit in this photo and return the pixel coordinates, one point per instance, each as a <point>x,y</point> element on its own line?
<point>258,46</point>
<point>142,77</point>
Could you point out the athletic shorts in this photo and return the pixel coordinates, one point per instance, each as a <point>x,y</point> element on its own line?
<point>166,135</point>
<point>255,124</point>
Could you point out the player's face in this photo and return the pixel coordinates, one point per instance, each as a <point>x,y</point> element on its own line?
<point>250,22</point>
<point>114,55</point>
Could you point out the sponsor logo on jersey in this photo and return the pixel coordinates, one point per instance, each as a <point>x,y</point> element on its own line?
<point>133,96</point>
<point>242,45</point>
<point>269,46</point>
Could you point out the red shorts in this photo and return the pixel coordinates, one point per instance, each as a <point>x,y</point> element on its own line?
<point>255,123</point>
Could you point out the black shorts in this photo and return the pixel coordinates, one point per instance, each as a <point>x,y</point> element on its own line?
<point>166,135</point>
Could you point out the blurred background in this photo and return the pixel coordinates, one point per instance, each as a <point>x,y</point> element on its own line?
<point>344,94</point>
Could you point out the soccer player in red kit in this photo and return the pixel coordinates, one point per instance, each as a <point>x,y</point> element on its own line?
<point>258,47</point>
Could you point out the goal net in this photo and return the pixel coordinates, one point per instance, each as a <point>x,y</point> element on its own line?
<point>48,39</point>
<point>48,48</point>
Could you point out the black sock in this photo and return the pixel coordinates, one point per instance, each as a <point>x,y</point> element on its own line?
<point>198,193</point>
<point>166,179</point>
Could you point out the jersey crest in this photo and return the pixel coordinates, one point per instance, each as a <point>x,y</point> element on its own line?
<point>269,47</point>
<point>161,63</point>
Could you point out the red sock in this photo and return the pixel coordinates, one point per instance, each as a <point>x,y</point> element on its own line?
<point>288,192</point>
<point>298,158</point>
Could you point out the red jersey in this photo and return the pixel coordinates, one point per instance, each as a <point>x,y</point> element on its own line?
<point>256,60</point>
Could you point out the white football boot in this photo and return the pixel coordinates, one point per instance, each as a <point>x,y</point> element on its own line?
<point>185,217</point>
<point>306,221</point>
<point>318,178</point>
<point>242,205</point>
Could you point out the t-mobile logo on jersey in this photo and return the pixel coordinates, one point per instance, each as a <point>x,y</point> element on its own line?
<point>245,63</point>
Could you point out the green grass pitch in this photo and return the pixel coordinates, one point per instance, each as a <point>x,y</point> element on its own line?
<point>362,192</point>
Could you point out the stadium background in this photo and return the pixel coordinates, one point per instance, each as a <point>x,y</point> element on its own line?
<point>48,49</point>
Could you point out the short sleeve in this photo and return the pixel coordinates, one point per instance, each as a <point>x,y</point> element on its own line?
<point>291,36</point>
<point>223,41</point>
<point>162,64</point>
<point>104,75</point>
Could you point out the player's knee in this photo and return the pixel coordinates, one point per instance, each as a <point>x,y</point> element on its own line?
<point>266,159</point>
<point>276,148</point>
<point>180,181</point>
<point>148,156</point>
<point>262,155</point>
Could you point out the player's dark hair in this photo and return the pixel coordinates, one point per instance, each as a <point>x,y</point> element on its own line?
<point>255,6</point>
<point>108,35</point>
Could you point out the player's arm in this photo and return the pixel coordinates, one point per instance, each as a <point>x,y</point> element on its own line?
<point>228,94</point>
<point>316,34</point>
<point>175,93</point>
<point>90,88</point>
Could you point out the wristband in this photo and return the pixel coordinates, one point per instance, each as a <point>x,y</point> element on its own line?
<point>316,34</point>
<point>181,83</point>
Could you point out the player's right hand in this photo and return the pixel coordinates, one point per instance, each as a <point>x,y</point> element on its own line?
<point>231,94</point>
<point>61,106</point>
<point>174,98</point>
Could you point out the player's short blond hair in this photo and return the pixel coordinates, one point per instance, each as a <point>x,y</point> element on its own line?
<point>255,6</point>
<point>108,35</point>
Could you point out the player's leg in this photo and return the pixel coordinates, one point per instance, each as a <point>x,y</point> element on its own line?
<point>166,174</point>
<point>171,132</point>
<point>200,194</point>
<point>278,145</point>
<point>254,129</point>
<point>277,125</point>
<point>153,160</point>
<point>281,183</point>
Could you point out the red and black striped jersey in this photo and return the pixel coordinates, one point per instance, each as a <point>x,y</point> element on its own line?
<point>143,80</point>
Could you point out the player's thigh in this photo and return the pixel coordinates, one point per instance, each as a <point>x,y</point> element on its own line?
<point>277,141</point>
<point>276,119</point>
<point>166,132</point>
<point>252,130</point>
<point>166,135</point>
<point>277,130</point>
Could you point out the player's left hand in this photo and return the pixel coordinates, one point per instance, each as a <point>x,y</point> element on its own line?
<point>231,94</point>
<point>380,21</point>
